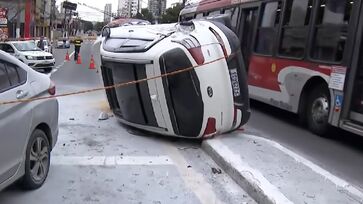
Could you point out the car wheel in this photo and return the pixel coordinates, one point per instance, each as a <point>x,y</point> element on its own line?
<point>318,110</point>
<point>37,160</point>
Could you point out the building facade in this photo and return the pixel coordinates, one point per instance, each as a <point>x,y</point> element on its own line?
<point>108,13</point>
<point>157,7</point>
<point>30,18</point>
<point>128,8</point>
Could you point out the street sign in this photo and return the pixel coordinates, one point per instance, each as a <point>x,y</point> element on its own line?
<point>69,5</point>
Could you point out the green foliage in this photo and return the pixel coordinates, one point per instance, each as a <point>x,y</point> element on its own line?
<point>145,15</point>
<point>87,25</point>
<point>98,26</point>
<point>171,15</point>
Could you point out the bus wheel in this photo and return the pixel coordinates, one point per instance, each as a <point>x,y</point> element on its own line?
<point>318,108</point>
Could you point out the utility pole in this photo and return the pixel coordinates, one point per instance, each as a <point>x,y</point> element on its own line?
<point>17,35</point>
<point>52,20</point>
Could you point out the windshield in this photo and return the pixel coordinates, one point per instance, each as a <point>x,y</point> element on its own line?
<point>26,46</point>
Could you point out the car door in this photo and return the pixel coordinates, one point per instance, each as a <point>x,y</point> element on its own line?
<point>15,119</point>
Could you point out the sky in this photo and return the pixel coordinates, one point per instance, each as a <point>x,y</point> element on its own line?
<point>93,15</point>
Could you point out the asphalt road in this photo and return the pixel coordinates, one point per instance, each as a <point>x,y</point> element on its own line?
<point>341,153</point>
<point>104,162</point>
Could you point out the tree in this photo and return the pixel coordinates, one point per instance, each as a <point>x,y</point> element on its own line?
<point>145,15</point>
<point>87,25</point>
<point>171,15</point>
<point>98,26</point>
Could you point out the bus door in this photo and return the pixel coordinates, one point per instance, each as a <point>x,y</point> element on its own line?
<point>247,26</point>
<point>356,101</point>
<point>352,119</point>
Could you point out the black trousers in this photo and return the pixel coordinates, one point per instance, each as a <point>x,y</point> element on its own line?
<point>76,51</point>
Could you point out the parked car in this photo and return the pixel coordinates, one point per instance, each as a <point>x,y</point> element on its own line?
<point>47,45</point>
<point>30,54</point>
<point>29,130</point>
<point>63,43</point>
<point>201,102</point>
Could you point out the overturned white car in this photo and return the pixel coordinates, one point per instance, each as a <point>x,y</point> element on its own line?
<point>210,99</point>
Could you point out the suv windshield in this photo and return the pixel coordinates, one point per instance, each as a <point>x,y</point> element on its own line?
<point>26,46</point>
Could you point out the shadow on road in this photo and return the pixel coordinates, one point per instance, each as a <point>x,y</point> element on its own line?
<point>335,134</point>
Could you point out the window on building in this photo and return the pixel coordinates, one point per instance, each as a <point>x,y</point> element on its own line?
<point>295,29</point>
<point>267,30</point>
<point>331,29</point>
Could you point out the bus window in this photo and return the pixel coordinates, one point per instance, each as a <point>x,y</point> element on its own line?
<point>234,14</point>
<point>331,29</point>
<point>295,28</point>
<point>268,28</point>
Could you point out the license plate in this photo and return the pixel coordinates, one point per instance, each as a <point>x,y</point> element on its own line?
<point>235,83</point>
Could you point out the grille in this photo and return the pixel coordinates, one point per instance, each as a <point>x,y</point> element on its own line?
<point>44,65</point>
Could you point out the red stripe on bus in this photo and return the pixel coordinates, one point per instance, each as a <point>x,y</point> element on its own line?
<point>263,71</point>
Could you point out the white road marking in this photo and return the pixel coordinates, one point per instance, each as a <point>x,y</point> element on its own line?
<point>70,56</point>
<point>111,160</point>
<point>192,179</point>
<point>253,176</point>
<point>55,69</point>
<point>317,169</point>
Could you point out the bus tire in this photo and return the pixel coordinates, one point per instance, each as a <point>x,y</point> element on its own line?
<point>317,111</point>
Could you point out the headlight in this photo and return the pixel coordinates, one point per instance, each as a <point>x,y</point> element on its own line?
<point>30,57</point>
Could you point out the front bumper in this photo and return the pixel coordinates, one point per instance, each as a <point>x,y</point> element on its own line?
<point>46,64</point>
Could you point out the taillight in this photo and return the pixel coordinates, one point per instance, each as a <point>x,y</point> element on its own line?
<point>220,41</point>
<point>194,48</point>
<point>211,127</point>
<point>52,88</point>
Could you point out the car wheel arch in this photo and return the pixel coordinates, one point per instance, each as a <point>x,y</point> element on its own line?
<point>46,129</point>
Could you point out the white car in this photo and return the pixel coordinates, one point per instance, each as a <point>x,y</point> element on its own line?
<point>29,130</point>
<point>208,100</point>
<point>30,54</point>
<point>47,45</point>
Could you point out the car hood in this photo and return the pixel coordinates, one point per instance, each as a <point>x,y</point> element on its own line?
<point>36,53</point>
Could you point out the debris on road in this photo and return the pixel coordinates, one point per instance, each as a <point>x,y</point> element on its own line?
<point>71,118</point>
<point>216,171</point>
<point>186,148</point>
<point>103,116</point>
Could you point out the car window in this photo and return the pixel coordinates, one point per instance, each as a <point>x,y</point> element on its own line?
<point>4,80</point>
<point>16,75</point>
<point>6,48</point>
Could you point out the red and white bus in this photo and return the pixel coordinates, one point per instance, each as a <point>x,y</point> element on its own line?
<point>303,56</point>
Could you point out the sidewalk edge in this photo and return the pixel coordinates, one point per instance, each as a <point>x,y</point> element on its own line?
<point>247,180</point>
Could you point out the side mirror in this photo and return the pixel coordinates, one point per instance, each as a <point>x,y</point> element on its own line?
<point>106,32</point>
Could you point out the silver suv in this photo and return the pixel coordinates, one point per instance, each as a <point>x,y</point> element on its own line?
<point>29,130</point>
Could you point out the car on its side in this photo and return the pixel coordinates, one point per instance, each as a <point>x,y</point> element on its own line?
<point>212,98</point>
<point>30,54</point>
<point>29,131</point>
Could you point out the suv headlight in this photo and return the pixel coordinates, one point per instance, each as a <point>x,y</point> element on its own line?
<point>30,57</point>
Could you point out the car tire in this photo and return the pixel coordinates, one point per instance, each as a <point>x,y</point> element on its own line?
<point>37,161</point>
<point>318,108</point>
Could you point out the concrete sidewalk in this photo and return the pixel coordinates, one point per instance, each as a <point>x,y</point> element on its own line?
<point>271,173</point>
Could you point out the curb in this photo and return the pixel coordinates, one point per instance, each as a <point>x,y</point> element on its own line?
<point>247,178</point>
